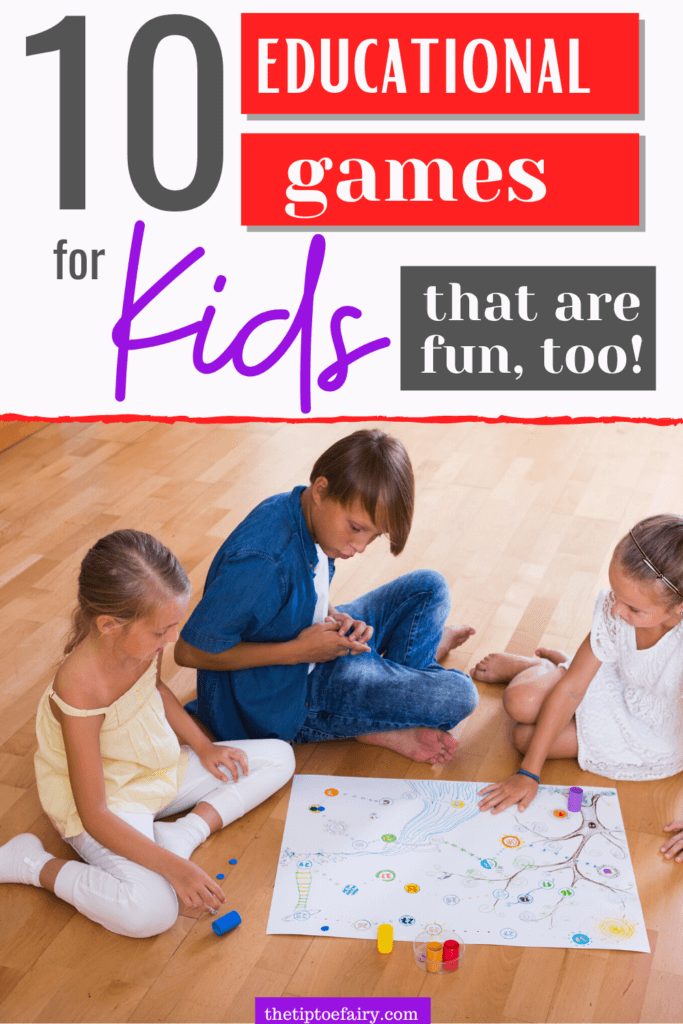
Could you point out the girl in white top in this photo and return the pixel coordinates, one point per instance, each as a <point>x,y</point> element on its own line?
<point>116,752</point>
<point>616,705</point>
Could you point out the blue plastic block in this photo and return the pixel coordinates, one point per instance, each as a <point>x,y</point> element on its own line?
<point>226,923</point>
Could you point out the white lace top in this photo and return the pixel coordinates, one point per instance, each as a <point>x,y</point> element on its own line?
<point>630,722</point>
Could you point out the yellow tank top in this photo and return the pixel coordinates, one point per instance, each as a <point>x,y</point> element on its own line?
<point>143,762</point>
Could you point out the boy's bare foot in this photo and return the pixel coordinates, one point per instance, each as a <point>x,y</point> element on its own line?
<point>419,744</point>
<point>501,668</point>
<point>453,636</point>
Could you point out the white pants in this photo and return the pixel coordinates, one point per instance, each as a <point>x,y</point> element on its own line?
<point>132,900</point>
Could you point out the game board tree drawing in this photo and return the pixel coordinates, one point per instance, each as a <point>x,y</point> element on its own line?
<point>420,854</point>
<point>590,828</point>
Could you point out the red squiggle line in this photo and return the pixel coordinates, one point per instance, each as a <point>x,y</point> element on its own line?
<point>544,421</point>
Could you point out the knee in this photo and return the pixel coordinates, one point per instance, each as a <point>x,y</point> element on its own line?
<point>471,695</point>
<point>283,761</point>
<point>148,910</point>
<point>521,703</point>
<point>278,757</point>
<point>521,737</point>
<point>457,701</point>
<point>436,584</point>
<point>433,583</point>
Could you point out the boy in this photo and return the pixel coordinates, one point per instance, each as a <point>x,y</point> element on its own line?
<point>275,658</point>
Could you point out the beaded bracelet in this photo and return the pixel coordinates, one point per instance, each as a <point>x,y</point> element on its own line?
<point>530,775</point>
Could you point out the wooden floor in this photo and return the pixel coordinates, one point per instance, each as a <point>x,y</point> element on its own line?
<point>520,519</point>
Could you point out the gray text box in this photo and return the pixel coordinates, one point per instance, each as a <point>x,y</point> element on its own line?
<point>528,329</point>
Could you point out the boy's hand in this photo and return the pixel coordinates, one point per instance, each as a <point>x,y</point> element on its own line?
<point>518,789</point>
<point>323,642</point>
<point>675,844</point>
<point>214,756</point>
<point>359,630</point>
<point>193,886</point>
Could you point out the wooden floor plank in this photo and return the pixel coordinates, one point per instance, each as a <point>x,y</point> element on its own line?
<point>663,998</point>
<point>622,993</point>
<point>27,1000</point>
<point>532,1001</point>
<point>521,519</point>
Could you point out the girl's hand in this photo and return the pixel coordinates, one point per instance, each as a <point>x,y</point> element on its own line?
<point>360,630</point>
<point>213,756</point>
<point>193,886</point>
<point>518,789</point>
<point>675,843</point>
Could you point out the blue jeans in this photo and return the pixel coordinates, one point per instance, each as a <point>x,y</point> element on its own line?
<point>398,684</point>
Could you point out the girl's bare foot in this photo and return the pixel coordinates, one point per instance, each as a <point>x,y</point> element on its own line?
<point>419,744</point>
<point>557,657</point>
<point>453,636</point>
<point>501,668</point>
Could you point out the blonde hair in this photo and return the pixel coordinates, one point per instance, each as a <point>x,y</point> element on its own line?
<point>125,575</point>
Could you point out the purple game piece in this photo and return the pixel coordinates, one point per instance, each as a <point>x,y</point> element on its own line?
<point>574,799</point>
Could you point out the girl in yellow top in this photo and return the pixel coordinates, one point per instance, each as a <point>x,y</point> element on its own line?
<point>116,752</point>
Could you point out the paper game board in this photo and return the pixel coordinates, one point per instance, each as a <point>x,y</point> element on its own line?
<point>420,855</point>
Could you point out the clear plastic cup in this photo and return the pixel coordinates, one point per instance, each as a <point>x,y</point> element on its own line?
<point>428,959</point>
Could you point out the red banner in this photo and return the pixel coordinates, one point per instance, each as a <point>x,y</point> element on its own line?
<point>472,179</point>
<point>477,64</point>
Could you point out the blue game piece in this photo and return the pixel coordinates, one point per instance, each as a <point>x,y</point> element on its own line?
<point>226,923</point>
<point>233,861</point>
<point>220,876</point>
<point>325,928</point>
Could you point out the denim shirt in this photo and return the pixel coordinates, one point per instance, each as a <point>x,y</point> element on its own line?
<point>259,589</point>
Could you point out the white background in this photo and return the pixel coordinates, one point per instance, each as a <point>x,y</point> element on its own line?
<point>58,356</point>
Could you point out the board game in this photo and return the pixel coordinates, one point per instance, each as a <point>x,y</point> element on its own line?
<point>420,856</point>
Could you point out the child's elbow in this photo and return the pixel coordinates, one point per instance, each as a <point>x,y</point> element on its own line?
<point>182,654</point>
<point>92,818</point>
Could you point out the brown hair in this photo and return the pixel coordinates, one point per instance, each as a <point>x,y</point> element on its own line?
<point>661,538</point>
<point>375,468</point>
<point>125,574</point>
